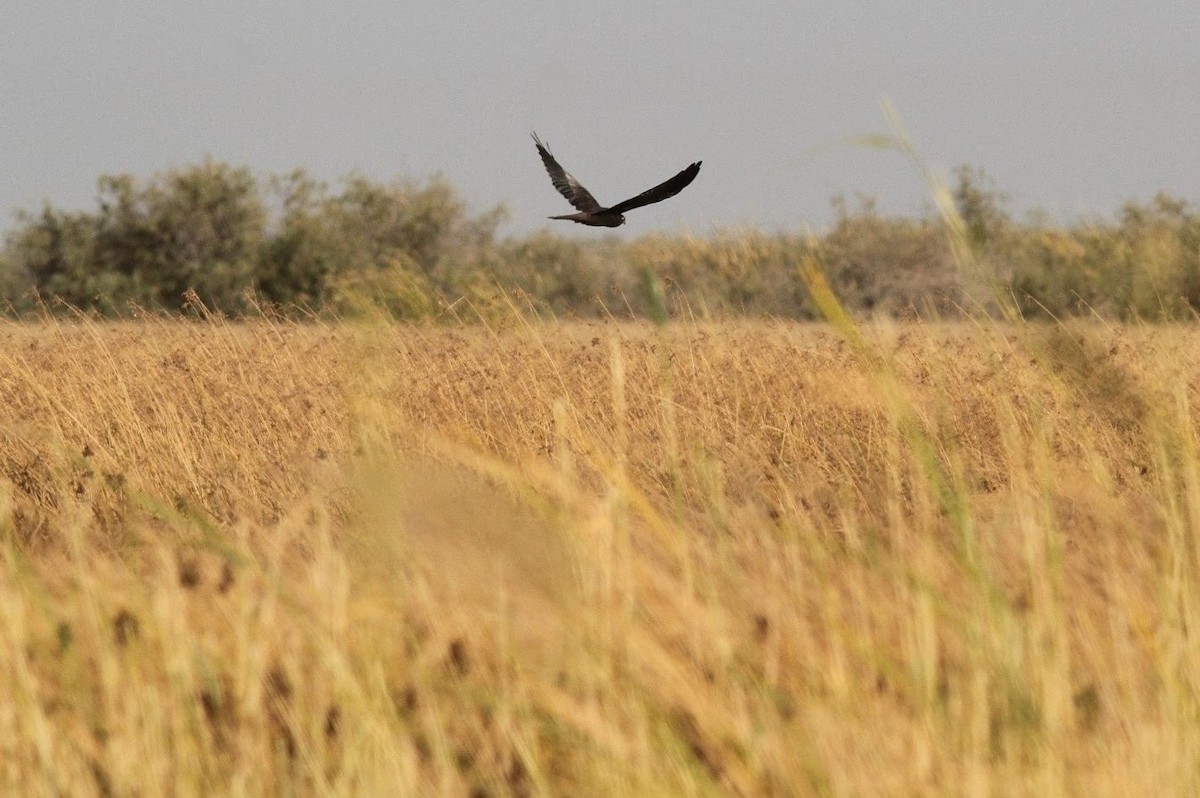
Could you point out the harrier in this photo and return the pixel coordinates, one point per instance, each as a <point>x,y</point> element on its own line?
<point>590,211</point>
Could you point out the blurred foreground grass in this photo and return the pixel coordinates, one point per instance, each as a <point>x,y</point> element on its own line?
<point>599,559</point>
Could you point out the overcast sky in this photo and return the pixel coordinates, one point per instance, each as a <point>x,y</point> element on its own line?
<point>1073,106</point>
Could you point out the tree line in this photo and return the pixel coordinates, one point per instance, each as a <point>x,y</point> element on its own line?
<point>238,244</point>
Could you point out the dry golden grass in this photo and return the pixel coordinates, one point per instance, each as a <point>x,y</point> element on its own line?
<point>741,559</point>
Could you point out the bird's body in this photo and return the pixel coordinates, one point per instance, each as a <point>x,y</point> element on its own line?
<point>592,212</point>
<point>597,219</point>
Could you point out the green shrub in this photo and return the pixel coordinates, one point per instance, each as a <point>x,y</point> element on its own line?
<point>209,231</point>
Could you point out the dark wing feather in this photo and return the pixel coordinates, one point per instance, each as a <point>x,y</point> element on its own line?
<point>568,186</point>
<point>660,192</point>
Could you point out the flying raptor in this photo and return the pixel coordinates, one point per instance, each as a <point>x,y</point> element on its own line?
<point>590,211</point>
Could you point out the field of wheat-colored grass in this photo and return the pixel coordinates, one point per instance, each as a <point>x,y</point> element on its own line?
<point>534,558</point>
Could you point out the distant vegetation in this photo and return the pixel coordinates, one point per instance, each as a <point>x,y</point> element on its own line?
<point>240,244</point>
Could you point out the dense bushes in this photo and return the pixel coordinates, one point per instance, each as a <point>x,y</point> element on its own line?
<point>201,228</point>
<point>238,244</point>
<point>1146,265</point>
<point>211,229</point>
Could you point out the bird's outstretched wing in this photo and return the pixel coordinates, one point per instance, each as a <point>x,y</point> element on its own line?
<point>568,186</point>
<point>660,192</point>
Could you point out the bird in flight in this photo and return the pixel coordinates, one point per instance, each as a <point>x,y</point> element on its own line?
<point>590,211</point>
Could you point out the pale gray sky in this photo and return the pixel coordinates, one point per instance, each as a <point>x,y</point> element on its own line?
<point>1073,106</point>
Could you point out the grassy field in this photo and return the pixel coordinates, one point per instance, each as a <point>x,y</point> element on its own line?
<point>551,559</point>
